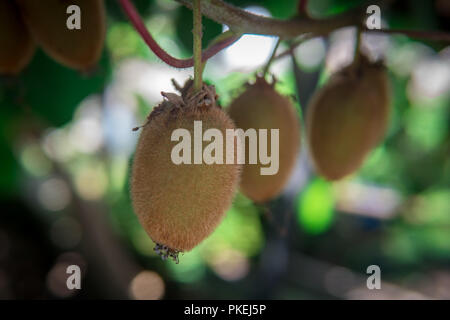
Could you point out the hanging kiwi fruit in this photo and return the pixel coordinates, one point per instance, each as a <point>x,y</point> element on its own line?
<point>347,118</point>
<point>80,48</point>
<point>17,47</point>
<point>260,106</point>
<point>179,205</point>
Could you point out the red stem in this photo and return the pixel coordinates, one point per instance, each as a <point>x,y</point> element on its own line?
<point>302,7</point>
<point>139,25</point>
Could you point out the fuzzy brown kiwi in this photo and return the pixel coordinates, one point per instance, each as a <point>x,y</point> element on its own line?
<point>347,117</point>
<point>78,48</point>
<point>180,205</point>
<point>261,107</point>
<point>17,47</point>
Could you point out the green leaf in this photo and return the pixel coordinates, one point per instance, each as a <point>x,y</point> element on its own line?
<point>10,168</point>
<point>53,91</point>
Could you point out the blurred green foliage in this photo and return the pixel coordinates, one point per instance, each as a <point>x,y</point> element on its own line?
<point>315,208</point>
<point>53,91</point>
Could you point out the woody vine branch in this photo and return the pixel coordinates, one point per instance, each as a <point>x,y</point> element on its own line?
<point>243,22</point>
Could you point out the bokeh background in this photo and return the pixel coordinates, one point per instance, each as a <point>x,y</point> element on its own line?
<point>66,146</point>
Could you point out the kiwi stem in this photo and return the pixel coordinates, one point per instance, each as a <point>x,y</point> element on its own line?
<point>294,44</point>
<point>198,66</point>
<point>221,42</point>
<point>269,62</point>
<point>358,40</point>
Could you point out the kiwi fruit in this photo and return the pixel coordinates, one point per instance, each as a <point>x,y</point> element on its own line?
<point>347,117</point>
<point>17,47</point>
<point>260,106</point>
<point>78,48</point>
<point>179,205</point>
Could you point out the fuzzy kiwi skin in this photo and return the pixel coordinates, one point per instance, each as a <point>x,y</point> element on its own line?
<point>180,205</point>
<point>347,118</point>
<point>17,47</point>
<point>78,49</point>
<point>261,107</point>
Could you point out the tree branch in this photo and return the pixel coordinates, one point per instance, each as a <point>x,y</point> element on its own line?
<point>242,21</point>
<point>426,35</point>
<point>245,22</point>
<point>418,34</point>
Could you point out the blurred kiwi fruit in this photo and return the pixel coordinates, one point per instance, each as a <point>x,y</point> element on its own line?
<point>347,118</point>
<point>78,48</point>
<point>17,46</point>
<point>260,106</point>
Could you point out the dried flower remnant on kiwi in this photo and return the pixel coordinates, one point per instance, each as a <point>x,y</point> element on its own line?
<point>165,252</point>
<point>204,98</point>
<point>179,205</point>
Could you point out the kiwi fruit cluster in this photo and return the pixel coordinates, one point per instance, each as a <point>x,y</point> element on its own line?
<point>347,118</point>
<point>179,205</point>
<point>27,23</point>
